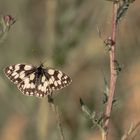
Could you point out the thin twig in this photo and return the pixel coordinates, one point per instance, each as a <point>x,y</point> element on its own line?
<point>55,109</point>
<point>113,76</point>
<point>130,131</point>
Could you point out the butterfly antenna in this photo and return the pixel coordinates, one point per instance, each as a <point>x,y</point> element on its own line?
<point>38,55</point>
<point>44,61</point>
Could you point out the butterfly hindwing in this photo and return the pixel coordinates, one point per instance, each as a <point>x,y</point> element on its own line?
<point>27,86</point>
<point>57,79</point>
<point>43,87</point>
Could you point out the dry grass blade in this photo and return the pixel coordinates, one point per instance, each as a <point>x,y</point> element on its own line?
<point>131,130</point>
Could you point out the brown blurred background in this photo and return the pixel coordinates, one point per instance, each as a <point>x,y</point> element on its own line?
<point>63,34</point>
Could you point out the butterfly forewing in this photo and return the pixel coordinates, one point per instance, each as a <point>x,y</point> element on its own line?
<point>37,81</point>
<point>16,73</point>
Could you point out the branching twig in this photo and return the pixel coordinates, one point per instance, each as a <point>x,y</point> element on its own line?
<point>55,109</point>
<point>111,42</point>
<point>113,76</point>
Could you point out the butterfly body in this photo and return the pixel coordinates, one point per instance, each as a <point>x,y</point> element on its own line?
<point>37,81</point>
<point>39,73</point>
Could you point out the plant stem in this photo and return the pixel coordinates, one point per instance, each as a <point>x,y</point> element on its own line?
<point>113,73</point>
<point>55,109</point>
<point>131,130</point>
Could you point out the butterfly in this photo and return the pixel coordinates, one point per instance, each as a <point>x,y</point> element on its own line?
<point>37,81</point>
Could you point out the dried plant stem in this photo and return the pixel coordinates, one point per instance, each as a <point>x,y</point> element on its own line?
<point>132,129</point>
<point>55,109</point>
<point>113,74</point>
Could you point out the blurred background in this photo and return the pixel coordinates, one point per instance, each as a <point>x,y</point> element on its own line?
<point>63,34</point>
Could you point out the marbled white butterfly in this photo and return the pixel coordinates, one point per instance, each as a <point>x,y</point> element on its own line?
<point>37,81</point>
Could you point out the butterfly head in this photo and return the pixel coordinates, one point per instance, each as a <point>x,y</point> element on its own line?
<point>39,70</point>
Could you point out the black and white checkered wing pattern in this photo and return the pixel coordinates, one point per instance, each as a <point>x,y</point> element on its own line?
<point>50,80</point>
<point>19,74</point>
<point>37,81</point>
<point>16,73</point>
<point>35,85</point>
<point>28,85</point>
<point>56,78</point>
